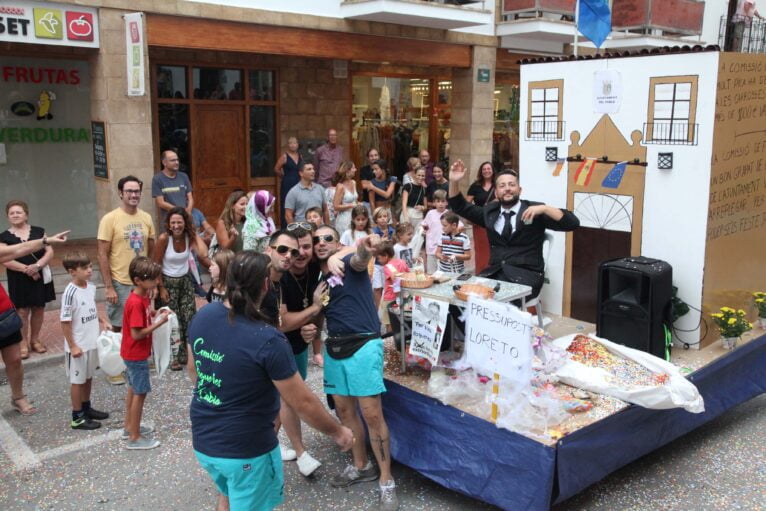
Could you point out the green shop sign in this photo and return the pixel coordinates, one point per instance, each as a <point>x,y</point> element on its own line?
<point>43,135</point>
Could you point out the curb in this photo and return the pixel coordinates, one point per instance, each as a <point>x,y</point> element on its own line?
<point>46,360</point>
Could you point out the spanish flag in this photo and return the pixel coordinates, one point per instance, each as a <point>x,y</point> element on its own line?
<point>559,165</point>
<point>584,172</point>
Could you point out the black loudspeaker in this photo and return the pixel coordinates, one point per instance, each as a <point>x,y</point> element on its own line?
<point>634,300</point>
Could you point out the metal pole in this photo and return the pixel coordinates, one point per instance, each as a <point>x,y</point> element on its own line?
<point>577,21</point>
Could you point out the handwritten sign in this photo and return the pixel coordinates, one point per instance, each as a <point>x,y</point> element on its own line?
<point>429,319</point>
<point>498,339</point>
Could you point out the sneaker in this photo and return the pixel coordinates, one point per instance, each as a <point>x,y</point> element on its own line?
<point>352,475</point>
<point>287,453</point>
<point>143,431</point>
<point>116,380</point>
<point>142,444</point>
<point>92,413</point>
<point>388,499</point>
<point>85,423</point>
<point>307,464</point>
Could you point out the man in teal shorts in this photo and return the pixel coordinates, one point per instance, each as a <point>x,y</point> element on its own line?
<point>353,370</point>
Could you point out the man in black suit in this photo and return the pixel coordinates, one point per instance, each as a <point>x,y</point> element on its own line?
<point>515,228</point>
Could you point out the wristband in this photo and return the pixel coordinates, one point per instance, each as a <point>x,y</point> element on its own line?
<point>45,241</point>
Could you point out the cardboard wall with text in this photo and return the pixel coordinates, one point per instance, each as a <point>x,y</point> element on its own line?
<point>736,228</point>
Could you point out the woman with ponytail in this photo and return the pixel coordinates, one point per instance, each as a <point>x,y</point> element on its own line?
<point>243,366</point>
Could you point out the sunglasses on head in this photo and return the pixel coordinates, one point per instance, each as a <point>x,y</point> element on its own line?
<point>299,225</point>
<point>282,250</point>
<point>327,238</point>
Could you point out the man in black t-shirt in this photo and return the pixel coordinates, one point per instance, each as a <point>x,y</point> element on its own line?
<point>283,248</point>
<point>302,293</point>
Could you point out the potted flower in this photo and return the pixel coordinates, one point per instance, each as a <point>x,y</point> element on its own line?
<point>759,298</point>
<point>731,324</point>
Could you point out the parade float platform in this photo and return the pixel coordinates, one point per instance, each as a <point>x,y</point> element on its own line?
<point>461,449</point>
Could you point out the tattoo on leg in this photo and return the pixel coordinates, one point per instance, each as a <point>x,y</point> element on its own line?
<point>382,451</point>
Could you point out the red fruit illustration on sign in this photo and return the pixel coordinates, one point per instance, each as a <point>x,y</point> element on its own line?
<point>79,26</point>
<point>134,35</point>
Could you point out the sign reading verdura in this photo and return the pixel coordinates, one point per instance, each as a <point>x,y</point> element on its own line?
<point>499,339</point>
<point>48,23</point>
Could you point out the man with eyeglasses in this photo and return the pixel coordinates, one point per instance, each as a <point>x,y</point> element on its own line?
<point>123,234</point>
<point>353,369</point>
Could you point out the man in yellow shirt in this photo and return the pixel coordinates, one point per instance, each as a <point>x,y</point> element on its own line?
<point>123,234</point>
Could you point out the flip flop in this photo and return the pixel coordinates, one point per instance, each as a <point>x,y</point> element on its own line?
<point>38,347</point>
<point>24,353</point>
<point>23,411</point>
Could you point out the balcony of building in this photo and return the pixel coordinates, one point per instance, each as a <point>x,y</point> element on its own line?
<point>742,34</point>
<point>440,14</point>
<point>548,25</point>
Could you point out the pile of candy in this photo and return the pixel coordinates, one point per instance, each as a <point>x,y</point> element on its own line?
<point>625,372</point>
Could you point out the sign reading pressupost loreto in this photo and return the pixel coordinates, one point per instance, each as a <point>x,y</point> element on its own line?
<point>498,339</point>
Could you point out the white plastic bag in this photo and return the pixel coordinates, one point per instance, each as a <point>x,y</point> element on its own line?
<point>677,392</point>
<point>162,348</point>
<point>110,361</point>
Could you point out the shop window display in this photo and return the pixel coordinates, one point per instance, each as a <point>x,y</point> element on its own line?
<point>390,114</point>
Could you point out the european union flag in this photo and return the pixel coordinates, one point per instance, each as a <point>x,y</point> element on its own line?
<point>595,21</point>
<point>613,179</point>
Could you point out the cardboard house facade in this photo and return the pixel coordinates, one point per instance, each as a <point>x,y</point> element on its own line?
<point>690,127</point>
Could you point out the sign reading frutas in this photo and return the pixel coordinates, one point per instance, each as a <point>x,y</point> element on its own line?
<point>48,23</point>
<point>134,42</point>
<point>498,339</point>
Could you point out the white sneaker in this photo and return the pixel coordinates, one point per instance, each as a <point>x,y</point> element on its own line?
<point>287,453</point>
<point>307,464</point>
<point>388,499</point>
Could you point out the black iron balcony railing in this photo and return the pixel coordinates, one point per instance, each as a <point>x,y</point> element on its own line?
<point>743,34</point>
<point>670,133</point>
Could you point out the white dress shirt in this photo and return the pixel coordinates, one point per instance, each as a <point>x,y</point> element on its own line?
<point>500,222</point>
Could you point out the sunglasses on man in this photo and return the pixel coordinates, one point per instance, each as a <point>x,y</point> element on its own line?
<point>299,225</point>
<point>283,249</point>
<point>327,238</point>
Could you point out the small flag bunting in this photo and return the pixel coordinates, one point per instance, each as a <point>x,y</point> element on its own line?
<point>584,172</point>
<point>559,165</point>
<point>614,178</point>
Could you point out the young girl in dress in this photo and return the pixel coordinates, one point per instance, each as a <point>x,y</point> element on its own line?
<point>219,265</point>
<point>360,228</point>
<point>259,226</point>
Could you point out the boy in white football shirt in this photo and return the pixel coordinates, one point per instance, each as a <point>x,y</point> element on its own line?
<point>81,324</point>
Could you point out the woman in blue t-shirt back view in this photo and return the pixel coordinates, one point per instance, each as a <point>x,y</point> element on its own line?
<point>243,365</point>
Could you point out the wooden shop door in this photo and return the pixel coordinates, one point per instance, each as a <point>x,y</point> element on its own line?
<point>219,155</point>
<point>590,248</point>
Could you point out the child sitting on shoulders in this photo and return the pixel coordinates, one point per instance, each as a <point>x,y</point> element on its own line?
<point>432,227</point>
<point>360,226</point>
<point>455,247</point>
<point>314,216</point>
<point>392,269</point>
<point>81,323</point>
